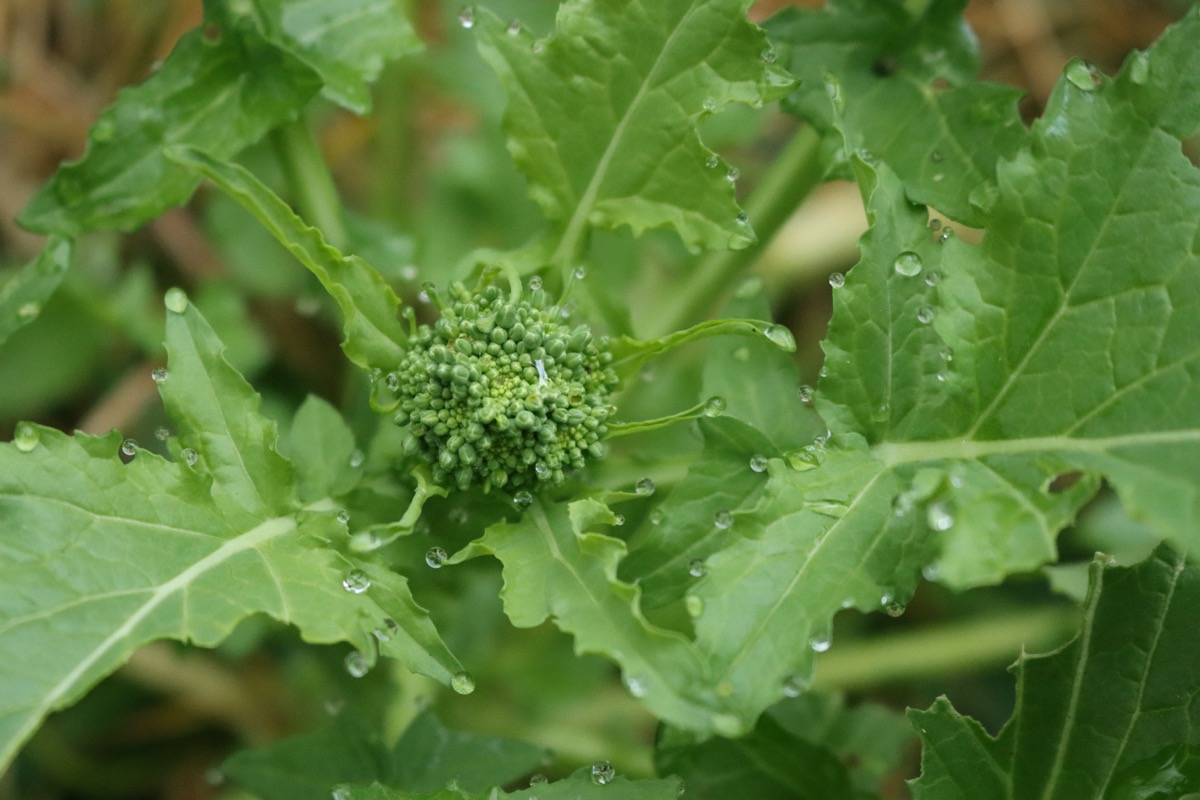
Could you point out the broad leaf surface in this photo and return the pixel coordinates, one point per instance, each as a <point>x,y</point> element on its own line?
<point>602,114</point>
<point>222,90</point>
<point>100,556</point>
<point>557,567</point>
<point>943,139</point>
<point>374,334</point>
<point>24,293</point>
<point>321,448</point>
<point>1111,714</point>
<point>579,786</point>
<point>346,42</point>
<point>424,759</point>
<point>249,69</point>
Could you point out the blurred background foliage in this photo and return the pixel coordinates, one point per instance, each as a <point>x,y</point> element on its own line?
<point>426,179</point>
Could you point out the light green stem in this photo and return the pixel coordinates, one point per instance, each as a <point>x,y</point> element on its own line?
<point>789,181</point>
<point>943,650</point>
<point>312,187</point>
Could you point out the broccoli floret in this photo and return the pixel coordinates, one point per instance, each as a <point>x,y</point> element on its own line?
<point>503,392</point>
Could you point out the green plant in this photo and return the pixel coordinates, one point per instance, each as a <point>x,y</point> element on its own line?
<point>976,398</point>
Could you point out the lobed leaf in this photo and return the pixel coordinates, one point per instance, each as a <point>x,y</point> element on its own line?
<point>1110,714</point>
<point>222,88</point>
<point>99,556</point>
<point>602,114</point>
<point>579,786</point>
<point>906,94</point>
<point>374,335</point>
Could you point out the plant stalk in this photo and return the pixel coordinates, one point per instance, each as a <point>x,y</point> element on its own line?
<point>312,188</point>
<point>787,183</point>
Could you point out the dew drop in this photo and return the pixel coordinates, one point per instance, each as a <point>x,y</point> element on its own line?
<point>535,282</point>
<point>356,581</point>
<point>930,571</point>
<point>190,456</point>
<point>769,55</point>
<point>374,374</point>
<point>129,447</point>
<point>466,17</point>
<point>162,433</point>
<point>435,557</point>
<point>935,224</point>
<point>710,104</point>
<point>821,642</point>
<point>357,457</point>
<point>602,772</point>
<point>644,487</point>
<point>894,609</point>
<point>580,272</point>
<point>837,280</point>
<point>723,520</point>
<point>696,568</point>
<point>742,218</point>
<point>538,779</point>
<point>636,685</point>
<point>356,664</point>
<point>946,235</point>
<point>806,458</point>
<point>715,406</point>
<point>805,393</point>
<point>781,337</point>
<point>794,685</point>
<point>343,516</point>
<point>392,382</point>
<point>733,174</point>
<point>513,28</point>
<point>175,300</point>
<point>619,519</point>
<point>758,462</point>
<point>932,277</point>
<point>159,374</point>
<point>542,469</point>
<point>657,517</point>
<point>907,264</point>
<point>939,177</point>
<point>939,517</point>
<point>1083,75</point>
<point>537,47</point>
<point>712,162</point>
<point>523,499</point>
<point>462,682</point>
<point>25,437</point>
<point>924,315</point>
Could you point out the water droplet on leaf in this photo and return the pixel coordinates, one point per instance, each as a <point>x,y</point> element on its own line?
<point>805,393</point>
<point>907,264</point>
<point>175,300</point>
<point>25,437</point>
<point>696,568</point>
<point>343,516</point>
<point>794,685</point>
<point>162,433</point>
<point>733,174</point>
<point>723,520</point>
<point>657,517</point>
<point>462,682</point>
<point>523,499</point>
<point>357,664</point>
<point>159,374</point>
<point>513,28</point>
<point>769,55</point>
<point>837,280</point>
<point>821,642</point>
<point>781,337</point>
<point>129,447</point>
<point>939,517</point>
<point>924,315</point>
<point>603,772</point>
<point>710,104</point>
<point>538,779</point>
<point>466,17</point>
<point>715,406</point>
<point>636,685</point>
<point>356,581</point>
<point>932,277</point>
<point>712,162</point>
<point>758,462</point>
<point>190,456</point>
<point>435,557</point>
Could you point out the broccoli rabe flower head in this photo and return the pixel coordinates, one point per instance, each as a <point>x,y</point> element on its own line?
<point>502,392</point>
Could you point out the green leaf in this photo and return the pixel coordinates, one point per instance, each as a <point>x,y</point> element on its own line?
<point>23,294</point>
<point>682,532</point>
<point>374,334</point>
<point>321,448</point>
<point>220,88</point>
<point>99,556</point>
<point>424,759</point>
<point>900,74</point>
<point>579,786</point>
<point>346,42</point>
<point>555,568</point>
<point>602,114</point>
<point>1107,715</point>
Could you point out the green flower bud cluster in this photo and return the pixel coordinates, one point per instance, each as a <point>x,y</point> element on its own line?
<point>503,392</point>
